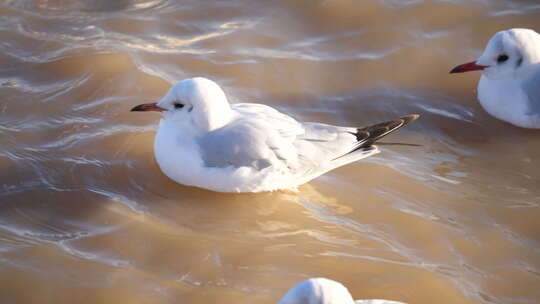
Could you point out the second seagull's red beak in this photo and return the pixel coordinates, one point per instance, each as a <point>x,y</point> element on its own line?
<point>467,67</point>
<point>148,107</point>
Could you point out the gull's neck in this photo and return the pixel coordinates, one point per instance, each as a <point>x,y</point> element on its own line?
<point>211,110</point>
<point>211,117</point>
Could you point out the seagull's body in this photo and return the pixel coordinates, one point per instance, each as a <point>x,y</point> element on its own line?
<point>324,291</point>
<point>204,141</point>
<point>509,88</point>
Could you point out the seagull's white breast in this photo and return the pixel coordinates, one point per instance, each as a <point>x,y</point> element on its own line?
<point>178,156</point>
<point>506,100</point>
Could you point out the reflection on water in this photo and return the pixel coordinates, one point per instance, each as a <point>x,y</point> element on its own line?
<point>86,216</point>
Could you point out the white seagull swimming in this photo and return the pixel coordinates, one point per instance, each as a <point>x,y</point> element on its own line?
<point>324,291</point>
<point>204,141</point>
<point>509,88</point>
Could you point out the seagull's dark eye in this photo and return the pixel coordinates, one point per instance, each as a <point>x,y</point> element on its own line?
<point>178,105</point>
<point>502,58</point>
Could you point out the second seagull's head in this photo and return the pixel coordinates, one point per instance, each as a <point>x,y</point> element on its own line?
<point>510,54</point>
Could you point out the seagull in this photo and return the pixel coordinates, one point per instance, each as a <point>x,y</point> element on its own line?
<point>204,141</point>
<point>324,291</point>
<point>509,88</point>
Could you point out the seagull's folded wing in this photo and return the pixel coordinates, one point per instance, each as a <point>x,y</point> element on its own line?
<point>259,137</point>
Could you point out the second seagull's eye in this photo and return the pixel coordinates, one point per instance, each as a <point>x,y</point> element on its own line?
<point>178,105</point>
<point>502,58</point>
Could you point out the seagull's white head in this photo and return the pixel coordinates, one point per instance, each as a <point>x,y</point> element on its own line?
<point>318,291</point>
<point>198,101</point>
<point>510,54</point>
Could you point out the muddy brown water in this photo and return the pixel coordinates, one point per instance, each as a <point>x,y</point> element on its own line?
<point>87,217</point>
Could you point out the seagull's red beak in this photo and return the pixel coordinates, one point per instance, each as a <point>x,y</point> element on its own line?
<point>467,67</point>
<point>148,107</point>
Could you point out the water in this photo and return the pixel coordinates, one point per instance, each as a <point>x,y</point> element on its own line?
<point>86,216</point>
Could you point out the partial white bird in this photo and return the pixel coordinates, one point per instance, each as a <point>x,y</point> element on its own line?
<point>509,88</point>
<point>204,141</point>
<point>324,291</point>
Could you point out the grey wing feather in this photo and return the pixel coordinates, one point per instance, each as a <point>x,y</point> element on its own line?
<point>321,142</point>
<point>260,137</point>
<point>232,146</point>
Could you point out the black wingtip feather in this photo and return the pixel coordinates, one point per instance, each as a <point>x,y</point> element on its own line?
<point>409,118</point>
<point>368,135</point>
